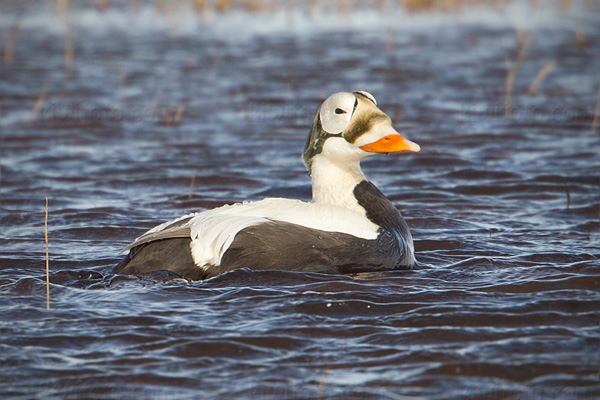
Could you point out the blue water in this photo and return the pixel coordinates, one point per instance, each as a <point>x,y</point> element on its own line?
<point>504,210</point>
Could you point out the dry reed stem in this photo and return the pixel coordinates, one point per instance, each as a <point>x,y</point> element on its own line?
<point>568,194</point>
<point>508,85</point>
<point>159,5</point>
<point>290,79</point>
<point>322,385</point>
<point>155,100</point>
<point>541,75</point>
<point>580,39</point>
<point>521,36</point>
<point>69,47</point>
<point>389,42</point>
<point>442,5</point>
<point>418,5</point>
<point>47,258</point>
<point>170,9</point>
<point>62,8</point>
<point>167,7</point>
<point>178,114</point>
<point>341,7</point>
<point>174,117</point>
<point>596,112</point>
<point>9,47</point>
<point>223,6</point>
<point>201,6</point>
<point>566,4</point>
<point>102,5</point>
<point>312,9</point>
<point>38,104</point>
<point>512,69</point>
<point>192,183</point>
<point>253,5</point>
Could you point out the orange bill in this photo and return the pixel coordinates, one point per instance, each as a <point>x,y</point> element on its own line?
<point>390,144</point>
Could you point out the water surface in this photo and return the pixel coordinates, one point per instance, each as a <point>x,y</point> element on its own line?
<point>504,210</point>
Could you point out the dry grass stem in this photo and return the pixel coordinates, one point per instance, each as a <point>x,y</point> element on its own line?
<point>322,385</point>
<point>192,183</point>
<point>223,5</point>
<point>11,37</point>
<point>159,5</point>
<point>169,8</point>
<point>596,112</point>
<point>173,117</point>
<point>201,6</point>
<point>580,39</point>
<point>102,5</point>
<point>521,36</point>
<point>253,5</point>
<point>389,43</point>
<point>541,75</point>
<point>524,42</point>
<point>155,101</point>
<point>69,48</point>
<point>442,5</point>
<point>47,258</point>
<point>312,8</point>
<point>568,193</point>
<point>37,107</point>
<point>178,114</point>
<point>510,78</point>
<point>512,68</point>
<point>418,5</point>
<point>290,79</point>
<point>9,47</point>
<point>62,8</point>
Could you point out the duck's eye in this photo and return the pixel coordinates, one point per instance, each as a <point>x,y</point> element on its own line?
<point>336,112</point>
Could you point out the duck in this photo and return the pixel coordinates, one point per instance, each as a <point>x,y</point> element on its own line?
<point>350,226</point>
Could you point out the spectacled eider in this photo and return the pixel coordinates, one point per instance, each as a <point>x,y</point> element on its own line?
<point>349,226</point>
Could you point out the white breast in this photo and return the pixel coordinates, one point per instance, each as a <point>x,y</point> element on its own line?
<point>213,231</point>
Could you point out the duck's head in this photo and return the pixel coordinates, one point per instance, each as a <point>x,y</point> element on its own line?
<point>349,127</point>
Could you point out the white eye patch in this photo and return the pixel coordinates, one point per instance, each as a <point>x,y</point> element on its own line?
<point>336,112</point>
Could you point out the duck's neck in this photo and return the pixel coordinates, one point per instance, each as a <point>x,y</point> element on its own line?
<point>334,182</point>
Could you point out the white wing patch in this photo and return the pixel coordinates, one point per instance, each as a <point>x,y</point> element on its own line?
<point>212,234</point>
<point>213,231</point>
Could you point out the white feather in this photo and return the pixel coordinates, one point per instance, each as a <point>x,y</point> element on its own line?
<point>336,172</point>
<point>213,231</point>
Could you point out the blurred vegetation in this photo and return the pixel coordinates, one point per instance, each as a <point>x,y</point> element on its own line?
<point>309,6</point>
